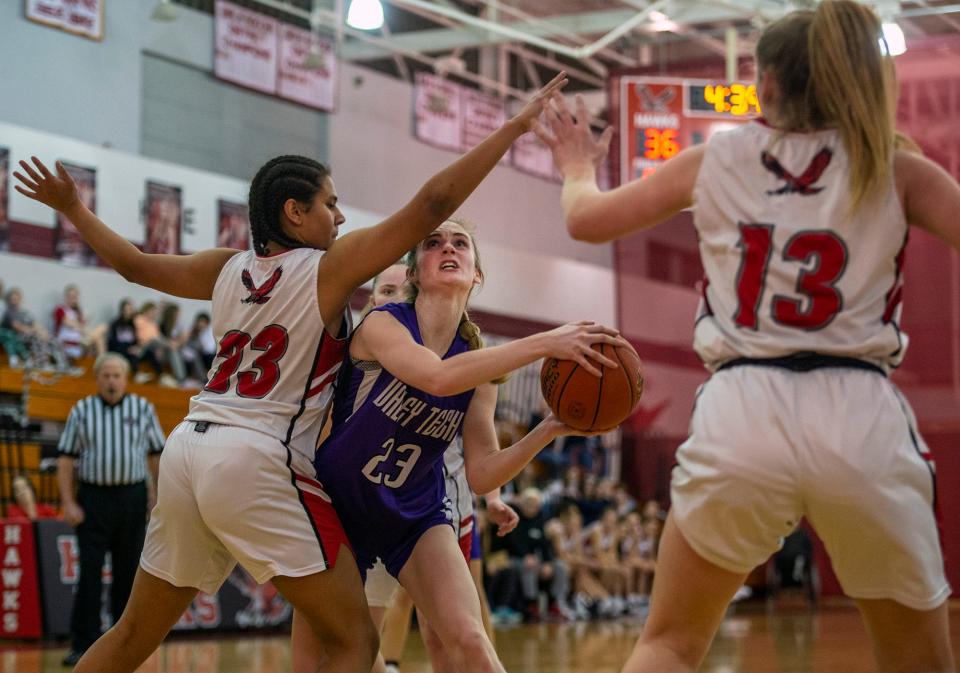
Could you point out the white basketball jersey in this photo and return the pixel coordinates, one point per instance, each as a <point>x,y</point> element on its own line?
<point>789,268</point>
<point>275,364</point>
<point>459,495</point>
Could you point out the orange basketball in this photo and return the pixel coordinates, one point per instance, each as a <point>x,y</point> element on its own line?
<point>586,402</point>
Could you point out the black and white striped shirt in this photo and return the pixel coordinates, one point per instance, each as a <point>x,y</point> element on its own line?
<point>111,441</point>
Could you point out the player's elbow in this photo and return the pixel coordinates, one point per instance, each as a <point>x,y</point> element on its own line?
<point>438,383</point>
<point>437,200</point>
<point>480,481</point>
<point>583,227</point>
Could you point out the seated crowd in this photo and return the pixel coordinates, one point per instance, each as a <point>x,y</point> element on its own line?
<point>582,550</point>
<point>152,338</point>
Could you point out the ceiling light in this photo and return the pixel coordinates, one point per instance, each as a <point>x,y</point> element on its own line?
<point>893,42</point>
<point>365,14</point>
<point>661,23</point>
<point>164,11</point>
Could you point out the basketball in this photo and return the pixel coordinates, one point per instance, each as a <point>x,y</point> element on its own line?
<point>587,402</point>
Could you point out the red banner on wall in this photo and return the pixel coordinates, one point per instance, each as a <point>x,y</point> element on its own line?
<point>20,599</point>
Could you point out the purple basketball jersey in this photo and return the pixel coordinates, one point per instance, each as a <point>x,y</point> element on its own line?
<point>383,462</point>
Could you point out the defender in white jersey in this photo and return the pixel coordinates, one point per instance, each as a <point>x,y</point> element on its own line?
<point>802,222</point>
<point>236,480</point>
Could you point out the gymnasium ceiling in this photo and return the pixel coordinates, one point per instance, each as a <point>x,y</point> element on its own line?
<point>511,46</point>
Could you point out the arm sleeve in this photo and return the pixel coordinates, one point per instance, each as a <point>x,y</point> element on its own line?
<point>70,443</point>
<point>155,436</point>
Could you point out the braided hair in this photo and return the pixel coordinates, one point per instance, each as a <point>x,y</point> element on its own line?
<point>284,177</point>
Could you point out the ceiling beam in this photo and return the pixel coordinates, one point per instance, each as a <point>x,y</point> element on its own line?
<point>586,23</point>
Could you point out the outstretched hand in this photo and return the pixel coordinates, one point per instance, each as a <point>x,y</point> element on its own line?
<point>57,191</point>
<point>569,136</point>
<point>529,113</point>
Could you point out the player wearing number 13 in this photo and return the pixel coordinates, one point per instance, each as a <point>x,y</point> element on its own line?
<point>802,221</point>
<point>236,478</point>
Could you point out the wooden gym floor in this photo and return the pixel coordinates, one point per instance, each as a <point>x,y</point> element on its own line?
<point>790,639</point>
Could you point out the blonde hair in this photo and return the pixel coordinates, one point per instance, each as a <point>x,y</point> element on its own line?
<point>831,72</point>
<point>467,328</point>
<point>370,305</point>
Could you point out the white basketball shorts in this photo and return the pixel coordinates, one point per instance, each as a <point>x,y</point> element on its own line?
<point>231,494</point>
<point>768,446</point>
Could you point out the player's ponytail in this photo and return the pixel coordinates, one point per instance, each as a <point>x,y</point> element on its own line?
<point>852,84</point>
<point>831,74</point>
<point>281,178</point>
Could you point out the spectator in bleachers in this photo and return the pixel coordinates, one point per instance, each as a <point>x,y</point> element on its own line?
<point>603,551</point>
<point>3,299</point>
<point>26,505</point>
<point>623,501</point>
<point>35,347</point>
<point>70,327</point>
<point>653,510</point>
<point>567,537</point>
<point>639,557</point>
<point>201,348</point>
<point>155,346</point>
<point>595,498</point>
<point>122,335</point>
<point>531,553</point>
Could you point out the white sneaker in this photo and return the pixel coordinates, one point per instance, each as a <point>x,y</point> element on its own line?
<point>168,381</point>
<point>142,377</point>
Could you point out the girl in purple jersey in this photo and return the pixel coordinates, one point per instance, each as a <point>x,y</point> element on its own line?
<point>416,378</point>
<point>217,514</point>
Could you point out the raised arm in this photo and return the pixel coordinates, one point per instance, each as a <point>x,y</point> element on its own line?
<point>383,339</point>
<point>362,254</point>
<point>930,197</point>
<point>488,467</point>
<point>189,276</point>
<point>598,217</point>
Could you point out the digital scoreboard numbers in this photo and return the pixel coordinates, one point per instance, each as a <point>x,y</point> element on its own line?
<point>660,117</point>
<point>726,100</point>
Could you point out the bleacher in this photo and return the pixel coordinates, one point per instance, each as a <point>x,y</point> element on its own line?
<point>30,448</point>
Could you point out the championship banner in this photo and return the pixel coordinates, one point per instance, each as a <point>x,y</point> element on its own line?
<point>80,17</point>
<point>4,199</point>
<point>531,156</point>
<point>311,86</point>
<point>68,245</point>
<point>482,115</point>
<point>245,47</point>
<point>20,611</point>
<point>436,112</point>
<point>233,225</point>
<point>164,213</point>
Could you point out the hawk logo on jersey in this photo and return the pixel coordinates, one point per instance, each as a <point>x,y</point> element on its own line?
<point>259,295</point>
<point>804,184</point>
<point>650,102</point>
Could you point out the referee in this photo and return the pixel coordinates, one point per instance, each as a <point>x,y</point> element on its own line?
<point>111,439</point>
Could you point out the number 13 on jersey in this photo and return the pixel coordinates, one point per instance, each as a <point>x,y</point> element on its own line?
<point>824,258</point>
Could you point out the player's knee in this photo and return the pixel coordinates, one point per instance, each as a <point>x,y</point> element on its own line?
<point>470,642</point>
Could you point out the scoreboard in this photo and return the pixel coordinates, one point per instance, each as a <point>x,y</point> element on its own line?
<point>659,117</point>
